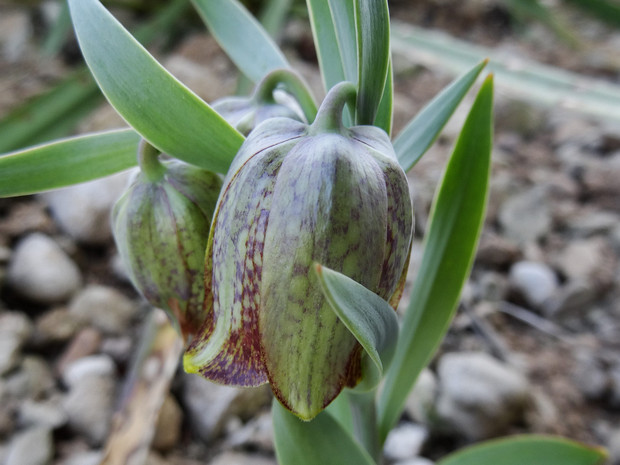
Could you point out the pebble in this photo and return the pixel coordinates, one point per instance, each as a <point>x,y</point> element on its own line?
<point>168,428</point>
<point>496,251</point>
<point>479,397</point>
<point>210,406</point>
<point>535,281</point>
<point>32,380</point>
<point>405,441</point>
<point>41,271</point>
<point>15,33</point>
<point>83,210</point>
<point>613,445</point>
<point>55,326</point>
<point>84,458</point>
<point>421,400</point>
<point>589,374</point>
<point>31,447</point>
<point>238,458</point>
<point>104,308</point>
<point>256,433</point>
<point>15,329</point>
<point>91,398</point>
<point>589,223</point>
<point>525,217</point>
<point>48,413</point>
<point>588,259</point>
<point>85,343</point>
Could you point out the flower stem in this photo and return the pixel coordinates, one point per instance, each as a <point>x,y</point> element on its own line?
<point>292,83</point>
<point>329,116</point>
<point>148,159</point>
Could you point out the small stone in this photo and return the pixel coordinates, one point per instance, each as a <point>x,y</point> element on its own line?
<point>590,259</point>
<point>421,400</point>
<point>573,299</point>
<point>41,271</point>
<point>536,282</point>
<point>47,413</point>
<point>589,374</point>
<point>493,286</point>
<point>105,308</point>
<point>238,458</point>
<point>33,379</point>
<point>55,326</point>
<point>31,447</point>
<point>84,458</point>
<point>119,348</point>
<point>83,211</point>
<point>91,398</point>
<point>479,397</point>
<point>86,342</point>
<point>613,445</point>
<point>405,441</point>
<point>589,223</point>
<point>210,406</point>
<point>87,367</point>
<point>15,329</point>
<point>168,428</point>
<point>525,217</point>
<point>496,251</point>
<point>257,433</point>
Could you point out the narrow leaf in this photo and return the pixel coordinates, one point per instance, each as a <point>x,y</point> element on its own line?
<point>449,248</point>
<point>527,449</point>
<point>385,115</point>
<point>343,17</point>
<point>68,161</point>
<point>606,10</point>
<point>321,441</point>
<point>369,318</point>
<point>326,43</point>
<point>242,37</point>
<point>165,112</point>
<point>373,49</point>
<point>423,130</point>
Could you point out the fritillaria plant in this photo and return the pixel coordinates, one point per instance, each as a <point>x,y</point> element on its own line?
<point>289,271</point>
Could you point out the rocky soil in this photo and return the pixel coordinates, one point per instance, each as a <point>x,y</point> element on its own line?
<point>535,345</point>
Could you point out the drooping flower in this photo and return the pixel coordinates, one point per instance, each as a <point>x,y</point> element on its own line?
<point>297,194</point>
<point>161,225</point>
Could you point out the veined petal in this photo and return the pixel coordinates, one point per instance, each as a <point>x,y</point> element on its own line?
<point>329,206</point>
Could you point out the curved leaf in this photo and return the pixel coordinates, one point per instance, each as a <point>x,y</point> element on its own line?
<point>450,243</point>
<point>369,318</point>
<point>527,449</point>
<point>373,56</point>
<point>165,112</point>
<point>321,441</point>
<point>67,161</point>
<point>242,37</point>
<point>343,17</point>
<point>326,43</point>
<point>385,114</point>
<point>425,127</point>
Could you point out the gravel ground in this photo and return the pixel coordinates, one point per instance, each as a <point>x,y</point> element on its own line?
<point>534,346</point>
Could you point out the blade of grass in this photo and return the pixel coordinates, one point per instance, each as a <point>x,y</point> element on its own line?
<point>605,10</point>
<point>424,129</point>
<point>242,37</point>
<point>165,112</point>
<point>530,449</point>
<point>449,247</point>
<point>516,77</point>
<point>373,48</point>
<point>326,43</point>
<point>68,161</point>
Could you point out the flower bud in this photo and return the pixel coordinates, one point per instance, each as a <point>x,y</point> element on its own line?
<point>295,195</point>
<point>161,227</point>
<point>245,113</point>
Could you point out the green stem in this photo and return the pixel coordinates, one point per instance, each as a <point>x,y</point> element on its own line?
<point>292,83</point>
<point>148,159</point>
<point>365,427</point>
<point>329,116</point>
